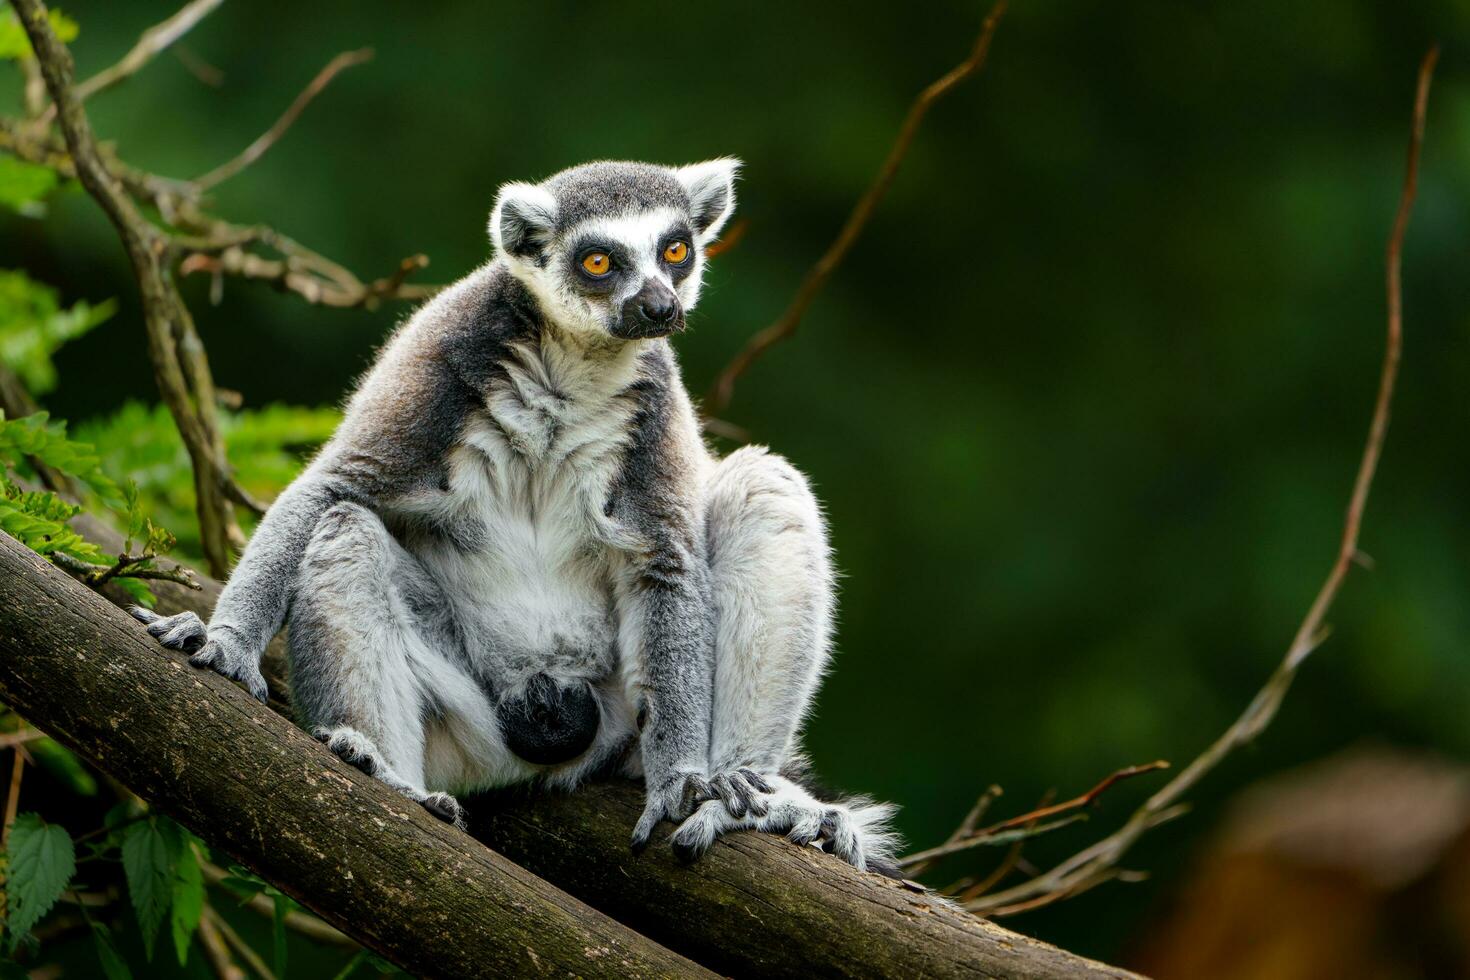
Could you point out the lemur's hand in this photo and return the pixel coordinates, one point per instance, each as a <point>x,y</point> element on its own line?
<point>740,790</point>
<point>221,652</point>
<point>672,797</point>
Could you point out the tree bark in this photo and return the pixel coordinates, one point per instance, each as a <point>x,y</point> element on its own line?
<point>755,905</point>
<point>251,784</point>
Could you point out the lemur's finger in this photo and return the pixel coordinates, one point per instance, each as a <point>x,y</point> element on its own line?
<point>207,656</point>
<point>143,614</point>
<point>697,789</point>
<point>724,788</point>
<point>757,780</point>
<point>644,828</point>
<point>749,799</point>
<point>187,636</point>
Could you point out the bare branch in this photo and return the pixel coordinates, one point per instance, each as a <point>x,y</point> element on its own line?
<point>269,138</point>
<point>179,364</point>
<point>785,326</point>
<point>151,43</point>
<point>1019,827</point>
<point>1097,863</point>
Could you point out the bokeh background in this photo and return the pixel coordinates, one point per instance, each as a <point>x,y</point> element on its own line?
<point>1084,403</point>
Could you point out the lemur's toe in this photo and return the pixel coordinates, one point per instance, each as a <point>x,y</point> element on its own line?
<point>445,807</point>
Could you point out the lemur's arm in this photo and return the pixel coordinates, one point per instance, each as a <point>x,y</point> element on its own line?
<point>394,435</point>
<point>673,643</point>
<point>253,605</point>
<point>666,603</point>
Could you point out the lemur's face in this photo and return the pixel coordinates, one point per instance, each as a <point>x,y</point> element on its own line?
<point>615,249</point>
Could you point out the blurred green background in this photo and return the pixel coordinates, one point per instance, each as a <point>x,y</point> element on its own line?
<point>1084,403</point>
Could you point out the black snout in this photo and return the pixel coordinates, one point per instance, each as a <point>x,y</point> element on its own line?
<point>653,312</point>
<point>550,723</point>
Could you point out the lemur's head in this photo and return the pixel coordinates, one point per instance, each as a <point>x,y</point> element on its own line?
<point>615,248</point>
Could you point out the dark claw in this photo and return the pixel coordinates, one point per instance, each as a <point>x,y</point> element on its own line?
<point>686,852</point>
<point>440,807</point>
<point>757,780</point>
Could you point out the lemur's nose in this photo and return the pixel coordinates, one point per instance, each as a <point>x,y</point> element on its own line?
<point>657,303</point>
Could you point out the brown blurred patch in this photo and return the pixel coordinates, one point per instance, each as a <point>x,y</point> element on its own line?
<point>1356,866</point>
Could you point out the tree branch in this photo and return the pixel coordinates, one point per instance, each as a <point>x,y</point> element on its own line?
<point>152,42</point>
<point>269,138</point>
<point>253,786</point>
<point>720,393</point>
<point>755,905</point>
<point>179,364</point>
<point>1098,863</point>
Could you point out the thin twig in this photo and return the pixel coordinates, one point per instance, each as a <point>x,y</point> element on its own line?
<point>240,946</point>
<point>916,866</point>
<point>785,326</point>
<point>269,138</point>
<point>217,951</point>
<point>301,922</point>
<point>12,798</point>
<point>995,833</point>
<point>26,735</point>
<point>1097,863</point>
<point>151,43</point>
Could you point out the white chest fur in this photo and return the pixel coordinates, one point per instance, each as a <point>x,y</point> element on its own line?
<point>530,578</point>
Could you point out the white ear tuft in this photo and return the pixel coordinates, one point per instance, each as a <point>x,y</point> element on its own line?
<point>523,219</point>
<point>711,189</point>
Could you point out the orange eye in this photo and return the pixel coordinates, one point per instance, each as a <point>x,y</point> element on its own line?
<point>676,252</point>
<point>597,263</point>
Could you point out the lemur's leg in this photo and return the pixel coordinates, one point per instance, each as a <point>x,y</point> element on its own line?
<point>367,629</point>
<point>774,593</point>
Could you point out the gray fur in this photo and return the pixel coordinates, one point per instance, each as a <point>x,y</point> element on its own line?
<point>516,559</point>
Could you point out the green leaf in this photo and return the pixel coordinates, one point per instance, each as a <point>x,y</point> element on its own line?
<point>13,41</point>
<point>151,851</point>
<point>281,905</point>
<point>36,435</point>
<point>41,860</point>
<point>114,967</point>
<point>33,326</point>
<point>23,185</point>
<point>138,590</point>
<point>188,900</point>
<point>63,763</point>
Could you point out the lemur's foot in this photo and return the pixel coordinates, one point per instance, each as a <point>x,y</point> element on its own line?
<point>672,798</point>
<point>854,830</point>
<point>358,751</point>
<point>219,651</point>
<point>740,791</point>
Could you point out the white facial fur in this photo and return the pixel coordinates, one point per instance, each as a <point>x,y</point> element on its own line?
<point>524,222</point>
<point>638,236</point>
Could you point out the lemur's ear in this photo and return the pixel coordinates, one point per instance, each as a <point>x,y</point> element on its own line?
<point>711,189</point>
<point>523,218</point>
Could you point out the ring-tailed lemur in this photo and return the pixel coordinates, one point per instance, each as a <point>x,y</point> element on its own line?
<point>517,560</point>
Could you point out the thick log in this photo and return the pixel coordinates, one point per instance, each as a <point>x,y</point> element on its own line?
<point>251,784</point>
<point>756,905</point>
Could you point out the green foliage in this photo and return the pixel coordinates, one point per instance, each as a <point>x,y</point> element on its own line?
<point>114,967</point>
<point>151,852</point>
<point>267,448</point>
<point>39,518</point>
<point>62,763</point>
<point>13,41</point>
<point>187,900</point>
<point>40,861</point>
<point>33,324</point>
<point>37,436</point>
<point>23,186</point>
